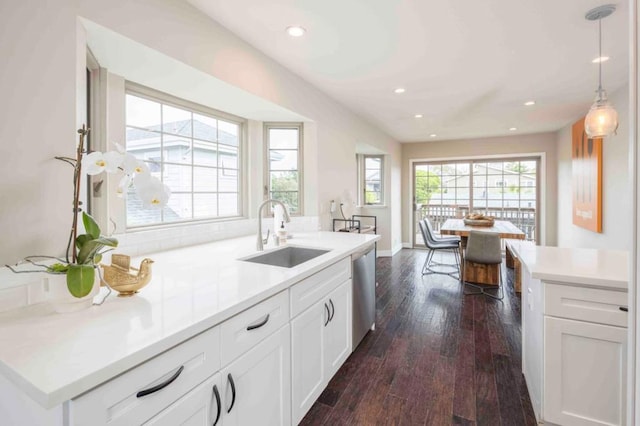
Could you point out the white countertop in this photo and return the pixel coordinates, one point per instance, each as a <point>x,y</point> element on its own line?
<point>55,357</point>
<point>577,266</point>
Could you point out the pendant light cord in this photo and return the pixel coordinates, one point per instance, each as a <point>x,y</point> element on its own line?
<point>599,56</point>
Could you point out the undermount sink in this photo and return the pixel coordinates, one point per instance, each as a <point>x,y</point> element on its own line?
<point>286,257</point>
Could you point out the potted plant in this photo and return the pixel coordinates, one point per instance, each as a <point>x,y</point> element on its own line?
<point>84,251</point>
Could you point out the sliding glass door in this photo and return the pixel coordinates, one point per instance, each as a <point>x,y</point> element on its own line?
<point>506,189</point>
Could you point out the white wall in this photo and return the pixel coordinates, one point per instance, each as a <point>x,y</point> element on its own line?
<point>616,191</point>
<point>40,82</point>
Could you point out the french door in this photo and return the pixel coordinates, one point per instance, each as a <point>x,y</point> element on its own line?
<point>505,188</point>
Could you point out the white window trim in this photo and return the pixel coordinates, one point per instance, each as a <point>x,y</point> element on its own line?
<point>167,99</point>
<point>267,164</point>
<point>362,185</point>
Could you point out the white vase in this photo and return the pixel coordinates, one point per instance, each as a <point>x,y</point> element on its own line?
<point>62,300</point>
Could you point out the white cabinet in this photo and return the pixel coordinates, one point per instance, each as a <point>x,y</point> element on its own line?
<point>321,343</point>
<point>574,352</point>
<point>308,358</point>
<point>585,379</point>
<point>257,385</point>
<point>338,331</point>
<point>200,407</point>
<point>140,393</point>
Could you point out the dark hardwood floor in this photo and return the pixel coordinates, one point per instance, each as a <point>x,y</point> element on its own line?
<point>437,357</point>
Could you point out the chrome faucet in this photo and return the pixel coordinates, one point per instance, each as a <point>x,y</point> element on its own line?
<point>260,242</point>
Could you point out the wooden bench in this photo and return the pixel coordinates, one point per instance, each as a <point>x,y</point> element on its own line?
<point>512,262</point>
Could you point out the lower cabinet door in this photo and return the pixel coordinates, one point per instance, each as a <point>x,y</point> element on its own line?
<point>338,331</point>
<point>202,406</point>
<point>307,357</point>
<point>585,373</point>
<point>257,385</point>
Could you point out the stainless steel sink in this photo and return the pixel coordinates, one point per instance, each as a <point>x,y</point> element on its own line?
<point>286,257</point>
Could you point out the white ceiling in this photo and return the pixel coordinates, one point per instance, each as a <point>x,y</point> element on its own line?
<point>467,66</point>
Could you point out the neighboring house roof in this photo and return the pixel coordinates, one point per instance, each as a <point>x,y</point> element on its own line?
<point>137,214</point>
<point>183,127</point>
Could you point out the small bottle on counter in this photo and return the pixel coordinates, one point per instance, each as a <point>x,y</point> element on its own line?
<point>282,234</point>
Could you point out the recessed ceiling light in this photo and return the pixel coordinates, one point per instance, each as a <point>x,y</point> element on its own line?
<point>513,129</point>
<point>418,116</point>
<point>296,31</point>
<point>432,135</point>
<point>600,59</point>
<point>399,90</point>
<point>529,103</point>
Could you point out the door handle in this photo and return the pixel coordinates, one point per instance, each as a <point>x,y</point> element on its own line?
<point>161,386</point>
<point>328,314</point>
<point>233,391</point>
<point>623,308</point>
<point>217,395</point>
<point>333,310</point>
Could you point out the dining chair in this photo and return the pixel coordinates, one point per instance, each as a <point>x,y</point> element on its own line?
<point>484,248</point>
<point>433,244</point>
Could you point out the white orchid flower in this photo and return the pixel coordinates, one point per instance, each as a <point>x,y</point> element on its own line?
<point>133,166</point>
<point>123,186</point>
<point>153,193</point>
<point>97,162</point>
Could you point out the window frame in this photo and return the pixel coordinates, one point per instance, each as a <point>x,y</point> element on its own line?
<point>135,89</point>
<point>362,180</point>
<point>267,126</point>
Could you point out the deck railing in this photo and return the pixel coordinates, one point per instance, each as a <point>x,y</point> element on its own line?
<point>523,218</point>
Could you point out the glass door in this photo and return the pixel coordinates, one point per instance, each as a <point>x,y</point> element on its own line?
<point>506,189</point>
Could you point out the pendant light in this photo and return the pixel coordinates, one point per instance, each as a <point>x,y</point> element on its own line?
<point>602,119</point>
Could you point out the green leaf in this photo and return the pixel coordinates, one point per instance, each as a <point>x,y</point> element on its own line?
<point>80,279</point>
<point>82,240</point>
<point>90,226</point>
<point>90,248</point>
<point>58,268</point>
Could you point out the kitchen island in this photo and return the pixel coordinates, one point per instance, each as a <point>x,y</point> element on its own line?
<point>202,313</point>
<point>574,333</point>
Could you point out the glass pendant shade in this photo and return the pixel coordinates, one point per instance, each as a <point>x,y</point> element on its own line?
<point>602,119</point>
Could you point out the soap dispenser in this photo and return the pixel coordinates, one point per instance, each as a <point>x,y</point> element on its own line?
<point>282,233</point>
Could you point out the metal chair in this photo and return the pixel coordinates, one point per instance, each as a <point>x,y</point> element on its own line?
<point>484,248</point>
<point>433,244</point>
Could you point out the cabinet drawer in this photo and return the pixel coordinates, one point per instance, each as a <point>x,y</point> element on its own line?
<point>245,330</point>
<point>311,289</point>
<point>117,402</point>
<point>586,304</point>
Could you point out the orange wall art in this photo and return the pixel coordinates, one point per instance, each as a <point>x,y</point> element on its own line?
<point>586,169</point>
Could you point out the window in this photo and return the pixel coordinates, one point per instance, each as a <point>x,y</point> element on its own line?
<point>284,164</point>
<point>193,150</point>
<point>371,179</point>
<point>506,189</point>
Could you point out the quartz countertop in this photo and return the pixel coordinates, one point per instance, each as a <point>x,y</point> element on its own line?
<point>56,357</point>
<point>577,266</point>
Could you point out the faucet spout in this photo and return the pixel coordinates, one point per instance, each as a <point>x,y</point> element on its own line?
<point>260,241</point>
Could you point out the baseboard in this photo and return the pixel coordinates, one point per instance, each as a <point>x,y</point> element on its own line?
<point>407,245</point>
<point>390,253</point>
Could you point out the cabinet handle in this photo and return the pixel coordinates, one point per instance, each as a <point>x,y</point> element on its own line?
<point>328,314</point>
<point>161,386</point>
<point>624,308</point>
<point>233,391</point>
<point>333,310</point>
<point>217,395</point>
<point>258,325</point>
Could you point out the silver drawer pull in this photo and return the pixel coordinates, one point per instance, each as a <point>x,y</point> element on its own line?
<point>258,325</point>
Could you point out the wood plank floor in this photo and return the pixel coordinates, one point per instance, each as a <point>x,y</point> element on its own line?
<point>437,357</point>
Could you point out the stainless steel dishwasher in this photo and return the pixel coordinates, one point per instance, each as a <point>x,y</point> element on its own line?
<point>364,293</point>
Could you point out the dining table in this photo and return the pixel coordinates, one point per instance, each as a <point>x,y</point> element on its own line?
<point>475,272</point>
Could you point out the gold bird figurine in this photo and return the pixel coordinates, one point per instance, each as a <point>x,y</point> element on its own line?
<point>125,279</point>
